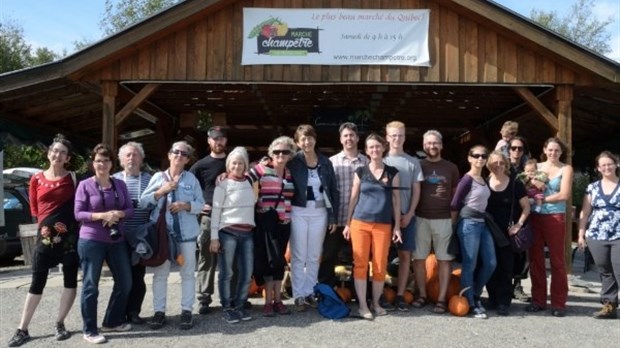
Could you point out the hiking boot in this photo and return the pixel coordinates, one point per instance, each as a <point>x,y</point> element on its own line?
<point>401,305</point>
<point>120,328</point>
<point>187,321</point>
<point>94,338</point>
<point>268,310</point>
<point>20,337</point>
<point>61,333</point>
<point>243,314</point>
<point>158,321</point>
<point>300,304</point>
<point>280,308</point>
<point>520,295</point>
<point>311,301</point>
<point>204,305</point>
<point>230,316</point>
<point>607,312</point>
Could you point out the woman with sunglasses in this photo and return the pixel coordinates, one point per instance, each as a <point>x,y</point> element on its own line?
<point>550,230</point>
<point>101,205</point>
<point>273,218</point>
<point>51,194</point>
<point>180,191</point>
<point>509,207</point>
<point>600,214</point>
<point>468,214</point>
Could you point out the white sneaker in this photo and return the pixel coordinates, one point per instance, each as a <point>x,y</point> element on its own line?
<point>121,328</point>
<point>94,339</point>
<point>480,313</point>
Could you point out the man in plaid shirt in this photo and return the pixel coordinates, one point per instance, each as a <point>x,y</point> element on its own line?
<point>345,163</point>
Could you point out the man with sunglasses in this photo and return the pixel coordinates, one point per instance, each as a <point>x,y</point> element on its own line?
<point>345,163</point>
<point>433,222</point>
<point>206,171</point>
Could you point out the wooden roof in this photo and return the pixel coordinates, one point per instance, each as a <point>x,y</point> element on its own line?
<point>190,56</point>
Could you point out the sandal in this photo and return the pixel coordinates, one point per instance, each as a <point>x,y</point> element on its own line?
<point>419,302</point>
<point>440,307</point>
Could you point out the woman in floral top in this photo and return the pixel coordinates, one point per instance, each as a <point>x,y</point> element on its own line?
<point>51,202</point>
<point>600,213</point>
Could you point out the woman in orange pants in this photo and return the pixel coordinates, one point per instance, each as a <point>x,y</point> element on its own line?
<point>374,205</point>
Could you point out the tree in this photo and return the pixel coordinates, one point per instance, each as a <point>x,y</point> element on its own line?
<point>14,51</point>
<point>122,14</point>
<point>579,25</point>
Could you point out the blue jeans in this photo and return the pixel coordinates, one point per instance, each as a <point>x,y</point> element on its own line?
<point>92,254</point>
<point>235,247</point>
<point>476,240</point>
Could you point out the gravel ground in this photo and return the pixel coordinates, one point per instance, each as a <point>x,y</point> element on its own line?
<point>417,327</point>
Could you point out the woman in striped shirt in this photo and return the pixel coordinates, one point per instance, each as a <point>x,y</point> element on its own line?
<point>273,217</point>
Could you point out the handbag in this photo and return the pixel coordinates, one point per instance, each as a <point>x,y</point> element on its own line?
<point>157,237</point>
<point>522,240</point>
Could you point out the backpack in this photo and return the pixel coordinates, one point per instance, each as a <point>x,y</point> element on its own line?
<point>331,306</point>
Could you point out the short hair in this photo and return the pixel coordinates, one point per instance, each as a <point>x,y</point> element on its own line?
<point>511,127</point>
<point>529,162</point>
<point>281,140</point>
<point>433,132</point>
<point>238,152</point>
<point>136,145</point>
<point>304,130</point>
<point>348,125</point>
<point>503,157</point>
<point>190,149</point>
<point>377,137</point>
<point>103,150</point>
<point>60,139</point>
<point>395,124</point>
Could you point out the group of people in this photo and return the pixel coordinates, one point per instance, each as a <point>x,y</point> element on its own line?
<point>242,217</point>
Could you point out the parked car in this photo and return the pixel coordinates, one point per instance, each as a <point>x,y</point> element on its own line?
<point>16,209</point>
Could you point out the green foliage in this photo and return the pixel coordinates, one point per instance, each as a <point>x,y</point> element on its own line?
<point>580,184</point>
<point>122,14</point>
<point>15,53</point>
<point>35,156</point>
<point>579,25</point>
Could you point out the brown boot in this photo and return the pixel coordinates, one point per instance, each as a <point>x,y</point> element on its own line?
<point>607,312</point>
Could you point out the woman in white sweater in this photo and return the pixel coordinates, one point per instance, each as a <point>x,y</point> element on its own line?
<point>232,221</point>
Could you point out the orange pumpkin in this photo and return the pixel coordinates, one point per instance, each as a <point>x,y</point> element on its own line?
<point>457,272</point>
<point>432,267</point>
<point>389,294</point>
<point>344,293</point>
<point>454,286</point>
<point>432,290</point>
<point>458,304</point>
<point>408,296</point>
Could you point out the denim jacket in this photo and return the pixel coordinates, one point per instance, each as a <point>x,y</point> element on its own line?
<point>299,172</point>
<point>188,190</point>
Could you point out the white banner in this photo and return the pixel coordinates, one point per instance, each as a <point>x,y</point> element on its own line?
<point>335,36</point>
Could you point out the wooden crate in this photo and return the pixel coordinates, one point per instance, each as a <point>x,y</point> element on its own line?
<point>28,237</point>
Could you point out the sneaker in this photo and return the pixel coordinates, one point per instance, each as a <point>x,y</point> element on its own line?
<point>204,305</point>
<point>243,314</point>
<point>158,321</point>
<point>300,304</point>
<point>607,312</point>
<point>61,333</point>
<point>502,310</point>
<point>247,305</point>
<point>94,338</point>
<point>230,316</point>
<point>520,295</point>
<point>401,305</point>
<point>134,318</point>
<point>268,310</point>
<point>20,337</point>
<point>187,321</point>
<point>478,304</point>
<point>280,308</point>
<point>385,304</point>
<point>120,328</point>
<point>311,301</point>
<point>560,313</point>
<point>479,313</point>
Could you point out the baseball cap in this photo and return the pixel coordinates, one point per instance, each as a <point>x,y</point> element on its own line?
<point>216,132</point>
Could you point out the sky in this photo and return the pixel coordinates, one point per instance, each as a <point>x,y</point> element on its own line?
<point>56,24</point>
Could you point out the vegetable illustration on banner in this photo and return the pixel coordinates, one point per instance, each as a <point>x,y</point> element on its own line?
<point>275,38</point>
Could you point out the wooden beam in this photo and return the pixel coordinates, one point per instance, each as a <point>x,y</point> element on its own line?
<point>563,109</point>
<point>109,91</point>
<point>538,106</point>
<point>135,102</point>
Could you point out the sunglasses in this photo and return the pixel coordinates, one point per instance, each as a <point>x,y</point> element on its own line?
<point>516,148</point>
<point>281,152</point>
<point>479,155</point>
<point>180,153</point>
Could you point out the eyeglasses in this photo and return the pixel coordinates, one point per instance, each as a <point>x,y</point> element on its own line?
<point>180,153</point>
<point>102,161</point>
<point>479,155</point>
<point>281,152</point>
<point>516,148</point>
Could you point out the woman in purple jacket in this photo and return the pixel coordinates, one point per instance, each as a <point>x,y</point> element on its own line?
<point>101,204</point>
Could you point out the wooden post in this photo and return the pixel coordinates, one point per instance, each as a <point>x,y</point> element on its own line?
<point>109,134</point>
<point>564,98</point>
